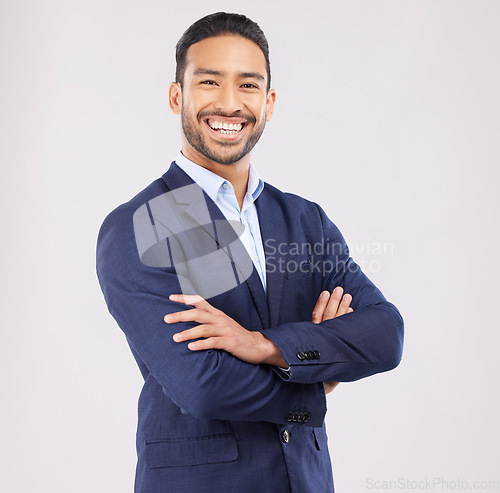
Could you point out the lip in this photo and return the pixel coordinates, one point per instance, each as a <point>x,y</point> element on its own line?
<point>227,137</point>
<point>226,119</point>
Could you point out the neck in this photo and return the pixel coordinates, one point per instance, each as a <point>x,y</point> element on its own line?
<point>235,173</point>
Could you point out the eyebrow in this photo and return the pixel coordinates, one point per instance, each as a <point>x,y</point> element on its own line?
<point>243,75</point>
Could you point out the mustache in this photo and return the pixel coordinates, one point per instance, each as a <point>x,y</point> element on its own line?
<point>236,114</point>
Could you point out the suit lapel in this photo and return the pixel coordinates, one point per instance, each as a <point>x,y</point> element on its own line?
<point>175,178</point>
<point>273,232</point>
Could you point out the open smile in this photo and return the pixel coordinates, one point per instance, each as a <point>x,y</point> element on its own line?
<point>228,128</point>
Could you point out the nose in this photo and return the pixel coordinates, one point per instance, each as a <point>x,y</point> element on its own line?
<point>228,100</point>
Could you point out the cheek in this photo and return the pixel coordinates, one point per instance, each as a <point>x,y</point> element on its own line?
<point>200,99</point>
<point>259,111</point>
<point>191,114</point>
<point>191,104</point>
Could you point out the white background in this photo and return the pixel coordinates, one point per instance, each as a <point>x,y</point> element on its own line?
<point>387,115</point>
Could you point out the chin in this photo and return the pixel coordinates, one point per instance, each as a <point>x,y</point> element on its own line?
<point>226,159</point>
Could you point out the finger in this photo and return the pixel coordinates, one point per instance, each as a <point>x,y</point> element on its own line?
<point>319,309</point>
<point>193,300</point>
<point>193,315</point>
<point>349,310</point>
<point>210,343</point>
<point>333,303</point>
<point>344,305</point>
<point>198,332</point>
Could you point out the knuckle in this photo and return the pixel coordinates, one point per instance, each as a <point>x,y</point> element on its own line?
<point>215,343</point>
<point>201,345</point>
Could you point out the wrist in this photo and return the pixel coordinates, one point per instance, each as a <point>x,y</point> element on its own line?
<point>272,353</point>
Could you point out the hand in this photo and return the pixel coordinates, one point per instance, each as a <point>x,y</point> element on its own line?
<point>328,307</point>
<point>219,331</point>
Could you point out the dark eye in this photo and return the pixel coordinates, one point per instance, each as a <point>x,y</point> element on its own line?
<point>208,82</point>
<point>249,85</point>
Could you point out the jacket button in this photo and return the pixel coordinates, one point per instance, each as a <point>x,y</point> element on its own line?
<point>306,417</point>
<point>289,416</point>
<point>317,354</point>
<point>285,436</point>
<point>301,355</point>
<point>310,355</point>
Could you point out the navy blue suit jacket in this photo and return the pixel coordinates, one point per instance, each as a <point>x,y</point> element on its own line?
<point>208,421</point>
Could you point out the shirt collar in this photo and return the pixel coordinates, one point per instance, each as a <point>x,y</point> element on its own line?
<point>211,182</point>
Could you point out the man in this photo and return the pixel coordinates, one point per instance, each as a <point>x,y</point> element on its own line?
<point>238,300</point>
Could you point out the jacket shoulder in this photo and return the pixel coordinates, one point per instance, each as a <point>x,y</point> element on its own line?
<point>291,200</point>
<point>126,210</point>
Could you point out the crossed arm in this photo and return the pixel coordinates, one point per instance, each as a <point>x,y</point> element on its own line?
<point>219,331</point>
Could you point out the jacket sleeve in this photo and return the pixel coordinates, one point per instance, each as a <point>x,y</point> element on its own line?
<point>350,347</point>
<point>206,384</point>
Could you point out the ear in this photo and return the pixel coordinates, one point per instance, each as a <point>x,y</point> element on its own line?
<point>175,97</point>
<point>271,98</point>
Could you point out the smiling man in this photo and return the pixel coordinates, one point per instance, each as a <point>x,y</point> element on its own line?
<point>213,136</point>
<point>240,303</point>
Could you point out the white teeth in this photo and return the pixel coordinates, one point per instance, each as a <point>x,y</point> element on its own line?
<point>224,127</point>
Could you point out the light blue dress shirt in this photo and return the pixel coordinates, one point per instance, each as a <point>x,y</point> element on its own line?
<point>222,193</point>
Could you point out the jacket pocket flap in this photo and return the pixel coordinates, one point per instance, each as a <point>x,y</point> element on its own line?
<point>171,452</point>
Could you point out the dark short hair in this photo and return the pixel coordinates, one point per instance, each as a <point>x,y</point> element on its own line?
<point>218,24</point>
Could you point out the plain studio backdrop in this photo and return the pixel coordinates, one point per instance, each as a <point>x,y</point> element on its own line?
<point>387,115</point>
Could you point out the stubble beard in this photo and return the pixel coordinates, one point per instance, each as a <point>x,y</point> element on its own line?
<point>196,140</point>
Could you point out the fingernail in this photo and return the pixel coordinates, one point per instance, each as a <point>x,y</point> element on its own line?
<point>192,345</point>
<point>347,297</point>
<point>177,337</point>
<point>325,294</point>
<point>168,318</point>
<point>339,289</point>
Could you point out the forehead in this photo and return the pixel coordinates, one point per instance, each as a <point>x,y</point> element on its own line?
<point>227,53</point>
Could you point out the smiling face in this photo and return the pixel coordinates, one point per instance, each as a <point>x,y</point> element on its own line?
<point>224,103</point>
